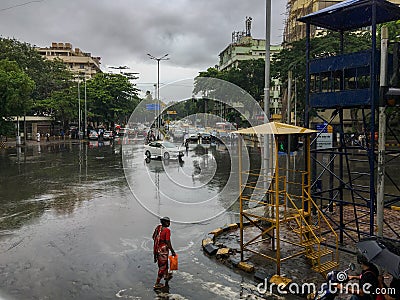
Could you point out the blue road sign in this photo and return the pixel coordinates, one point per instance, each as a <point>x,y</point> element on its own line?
<point>320,127</point>
<point>153,106</point>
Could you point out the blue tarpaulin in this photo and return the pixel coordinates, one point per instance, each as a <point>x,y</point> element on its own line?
<point>353,14</point>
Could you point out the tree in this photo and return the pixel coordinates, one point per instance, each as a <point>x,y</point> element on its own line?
<point>111,98</point>
<point>62,104</point>
<point>16,88</point>
<point>248,75</point>
<point>48,76</point>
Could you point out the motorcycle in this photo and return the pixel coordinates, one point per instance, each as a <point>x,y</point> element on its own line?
<point>328,290</point>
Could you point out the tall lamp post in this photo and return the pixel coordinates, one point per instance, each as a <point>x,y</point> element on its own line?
<point>164,57</point>
<point>85,125</point>
<point>267,142</point>
<point>79,108</point>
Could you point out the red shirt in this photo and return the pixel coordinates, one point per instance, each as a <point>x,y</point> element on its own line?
<point>165,235</point>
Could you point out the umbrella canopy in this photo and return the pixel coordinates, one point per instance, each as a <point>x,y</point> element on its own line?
<point>275,128</point>
<point>377,253</point>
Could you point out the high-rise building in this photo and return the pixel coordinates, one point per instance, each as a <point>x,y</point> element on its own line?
<point>295,30</point>
<point>78,62</point>
<point>245,47</point>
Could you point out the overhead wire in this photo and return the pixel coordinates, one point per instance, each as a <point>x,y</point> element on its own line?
<point>18,5</point>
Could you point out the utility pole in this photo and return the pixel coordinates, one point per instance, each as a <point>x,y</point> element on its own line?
<point>267,85</point>
<point>85,125</point>
<point>158,107</point>
<point>289,121</point>
<point>79,108</point>
<point>266,159</point>
<point>380,194</point>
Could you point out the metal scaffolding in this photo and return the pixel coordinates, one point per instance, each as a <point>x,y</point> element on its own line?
<point>284,200</point>
<point>348,82</point>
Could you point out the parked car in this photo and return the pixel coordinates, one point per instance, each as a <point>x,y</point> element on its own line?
<point>108,135</point>
<point>178,133</point>
<point>163,149</point>
<point>122,132</point>
<point>93,135</point>
<point>192,133</point>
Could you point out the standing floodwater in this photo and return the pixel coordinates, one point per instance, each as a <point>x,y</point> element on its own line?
<point>72,229</point>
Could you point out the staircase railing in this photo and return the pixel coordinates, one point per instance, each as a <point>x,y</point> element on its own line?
<point>321,214</point>
<point>307,225</point>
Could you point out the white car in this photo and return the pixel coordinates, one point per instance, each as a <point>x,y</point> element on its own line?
<point>163,149</point>
<point>192,133</point>
<point>93,135</point>
<point>108,135</point>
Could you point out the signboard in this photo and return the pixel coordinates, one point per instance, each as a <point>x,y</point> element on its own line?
<point>325,140</point>
<point>153,106</point>
<point>324,128</point>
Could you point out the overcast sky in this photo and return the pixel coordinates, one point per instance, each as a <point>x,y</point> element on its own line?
<point>122,32</point>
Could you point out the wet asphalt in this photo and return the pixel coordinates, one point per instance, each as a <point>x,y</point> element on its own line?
<point>76,221</point>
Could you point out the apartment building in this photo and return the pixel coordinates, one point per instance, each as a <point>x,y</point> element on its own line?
<point>295,30</point>
<point>77,61</point>
<point>245,47</point>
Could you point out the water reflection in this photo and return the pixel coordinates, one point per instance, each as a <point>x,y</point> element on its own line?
<point>56,177</point>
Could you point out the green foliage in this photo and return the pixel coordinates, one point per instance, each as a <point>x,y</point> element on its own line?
<point>62,104</point>
<point>15,90</point>
<point>393,30</point>
<point>48,76</point>
<point>249,75</point>
<point>111,97</point>
<point>53,90</point>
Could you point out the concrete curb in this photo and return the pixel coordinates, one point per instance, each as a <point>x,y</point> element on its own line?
<point>211,249</point>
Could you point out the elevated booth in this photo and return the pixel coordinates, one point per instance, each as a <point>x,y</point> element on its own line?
<point>348,83</point>
<point>277,203</point>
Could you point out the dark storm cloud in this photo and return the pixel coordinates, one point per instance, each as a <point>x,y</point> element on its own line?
<point>192,32</point>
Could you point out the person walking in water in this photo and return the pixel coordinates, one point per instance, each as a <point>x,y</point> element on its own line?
<point>162,245</point>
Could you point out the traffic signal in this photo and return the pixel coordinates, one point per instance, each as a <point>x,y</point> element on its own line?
<point>283,142</point>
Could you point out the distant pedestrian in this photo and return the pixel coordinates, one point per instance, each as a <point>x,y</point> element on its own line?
<point>38,136</point>
<point>162,245</point>
<point>187,146</point>
<point>47,137</point>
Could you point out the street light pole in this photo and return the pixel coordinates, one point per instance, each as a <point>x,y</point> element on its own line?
<point>85,126</point>
<point>158,108</point>
<point>267,138</point>
<point>79,109</point>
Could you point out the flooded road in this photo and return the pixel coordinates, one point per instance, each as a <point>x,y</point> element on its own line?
<point>73,226</point>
